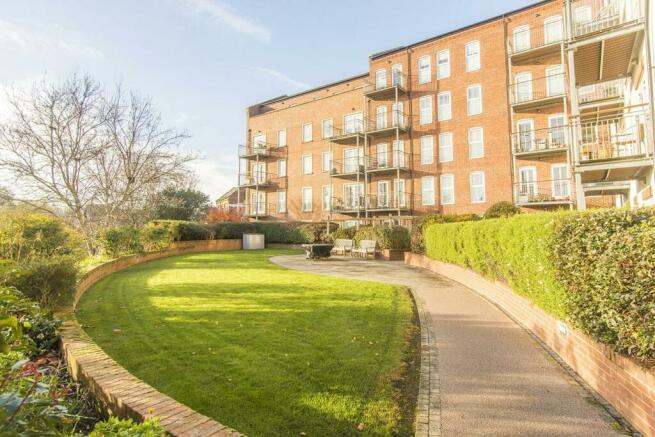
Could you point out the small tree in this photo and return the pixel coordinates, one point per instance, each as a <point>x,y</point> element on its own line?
<point>502,209</point>
<point>217,215</point>
<point>181,204</point>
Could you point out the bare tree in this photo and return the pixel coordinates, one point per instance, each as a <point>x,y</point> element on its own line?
<point>97,157</point>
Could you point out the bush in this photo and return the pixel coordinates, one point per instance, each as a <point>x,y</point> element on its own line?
<point>388,237</point>
<point>120,241</point>
<point>420,223</point>
<point>343,234</point>
<point>189,231</point>
<point>502,209</point>
<point>606,260</point>
<point>115,427</point>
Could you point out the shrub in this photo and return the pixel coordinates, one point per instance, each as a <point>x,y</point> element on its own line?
<point>158,235</point>
<point>343,234</point>
<point>189,231</point>
<point>115,427</point>
<point>502,209</point>
<point>120,241</point>
<point>420,223</point>
<point>388,237</point>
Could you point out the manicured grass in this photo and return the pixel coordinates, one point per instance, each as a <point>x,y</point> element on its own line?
<point>262,349</point>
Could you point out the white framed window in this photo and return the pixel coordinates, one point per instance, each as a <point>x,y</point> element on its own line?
<point>353,123</point>
<point>553,29</point>
<point>326,164</point>
<point>382,155</point>
<point>521,38</point>
<point>326,198</point>
<point>447,189</point>
<point>555,80</point>
<point>397,114</point>
<point>527,183</point>
<point>306,132</point>
<point>383,194</point>
<point>445,147</point>
<point>523,87</point>
<point>525,135</point>
<point>476,142</point>
<point>427,149</point>
<point>474,99</point>
<point>472,50</point>
<point>398,153</point>
<point>427,190</point>
<point>381,79</point>
<point>307,165</point>
<point>445,111</point>
<point>477,185</point>
<point>424,73</point>
<point>560,180</point>
<point>281,167</point>
<point>307,199</point>
<point>400,195</point>
<point>397,74</point>
<point>556,130</point>
<point>381,117</point>
<point>326,127</point>
<point>425,109</point>
<point>281,201</point>
<point>281,137</point>
<point>443,64</point>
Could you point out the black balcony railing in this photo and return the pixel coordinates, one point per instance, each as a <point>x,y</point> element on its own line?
<point>388,201</point>
<point>393,160</point>
<point>255,178</point>
<point>541,140</point>
<point>349,166</point>
<point>542,192</point>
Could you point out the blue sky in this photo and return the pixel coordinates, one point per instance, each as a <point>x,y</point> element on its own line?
<point>204,61</point>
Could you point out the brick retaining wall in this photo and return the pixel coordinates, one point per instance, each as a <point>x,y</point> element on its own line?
<point>124,394</point>
<point>628,387</point>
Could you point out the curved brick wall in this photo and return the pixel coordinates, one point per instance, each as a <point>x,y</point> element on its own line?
<point>628,387</point>
<point>124,394</point>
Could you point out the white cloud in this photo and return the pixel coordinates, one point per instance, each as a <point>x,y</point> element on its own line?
<point>53,39</point>
<point>231,19</point>
<point>214,178</point>
<point>283,77</point>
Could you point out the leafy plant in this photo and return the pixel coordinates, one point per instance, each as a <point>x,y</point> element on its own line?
<point>388,237</point>
<point>121,240</point>
<point>420,223</point>
<point>502,209</point>
<point>115,427</point>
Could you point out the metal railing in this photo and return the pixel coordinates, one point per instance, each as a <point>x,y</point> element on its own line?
<point>393,79</point>
<point>348,166</point>
<point>388,119</point>
<point>255,178</point>
<point>254,149</point>
<point>526,91</point>
<point>355,126</point>
<point>612,89</point>
<point>382,161</point>
<point>258,209</point>
<point>534,37</point>
<point>349,204</point>
<point>616,138</point>
<point>547,191</point>
<point>388,201</point>
<point>541,140</point>
<point>593,16</point>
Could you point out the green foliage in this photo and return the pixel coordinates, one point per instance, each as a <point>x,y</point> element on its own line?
<point>343,234</point>
<point>606,261</point>
<point>420,223</point>
<point>515,250</point>
<point>115,427</point>
<point>120,241</point>
<point>181,204</point>
<point>502,210</point>
<point>388,237</point>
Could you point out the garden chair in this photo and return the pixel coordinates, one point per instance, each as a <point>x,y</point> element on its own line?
<point>342,247</point>
<point>366,248</point>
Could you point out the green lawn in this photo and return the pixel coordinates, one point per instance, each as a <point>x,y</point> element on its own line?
<point>262,349</point>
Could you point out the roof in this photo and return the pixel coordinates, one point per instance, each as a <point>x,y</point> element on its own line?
<point>227,195</point>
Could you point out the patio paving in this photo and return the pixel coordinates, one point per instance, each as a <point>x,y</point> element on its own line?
<point>494,378</point>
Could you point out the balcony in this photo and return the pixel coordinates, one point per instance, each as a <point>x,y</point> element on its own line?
<point>258,210</point>
<point>383,89</point>
<point>529,43</point>
<point>532,94</point>
<point>380,163</point>
<point>256,180</point>
<point>615,139</point>
<point>388,202</point>
<point>349,205</point>
<point>541,142</point>
<point>349,168</point>
<point>351,132</point>
<point>388,124</point>
<point>555,192</point>
<point>255,150</point>
<point>591,17</point>
<point>606,94</point>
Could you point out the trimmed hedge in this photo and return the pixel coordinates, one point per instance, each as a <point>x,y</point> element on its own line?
<point>388,237</point>
<point>420,223</point>
<point>595,269</point>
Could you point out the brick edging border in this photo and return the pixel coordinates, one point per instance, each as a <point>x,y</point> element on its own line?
<point>122,393</point>
<point>627,387</point>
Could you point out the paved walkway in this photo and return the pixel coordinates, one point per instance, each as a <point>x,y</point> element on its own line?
<point>495,379</point>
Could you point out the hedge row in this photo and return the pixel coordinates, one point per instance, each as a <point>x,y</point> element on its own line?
<point>388,237</point>
<point>594,269</point>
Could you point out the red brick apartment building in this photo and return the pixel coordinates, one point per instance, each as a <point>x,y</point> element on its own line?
<point>549,106</point>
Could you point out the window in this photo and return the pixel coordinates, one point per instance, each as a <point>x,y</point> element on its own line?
<point>474,100</point>
<point>447,192</point>
<point>307,167</point>
<point>382,155</point>
<point>478,194</point>
<point>445,112</point>
<point>446,147</point>
<point>380,79</point>
<point>555,80</point>
<point>424,73</point>
<point>281,167</point>
<point>553,30</point>
<point>556,130</point>
<point>282,138</point>
<point>526,141</point>
<point>383,194</point>
<point>476,143</point>
<point>397,74</point>
<point>400,196</point>
<point>521,37</point>
<point>473,56</point>
<point>425,109</point>
<point>427,149</point>
<point>443,64</point>
<point>326,197</point>
<point>281,201</point>
<point>427,190</point>
<point>560,174</point>
<point>307,199</point>
<point>398,153</point>
<point>397,115</point>
<point>523,87</point>
<point>306,132</point>
<point>381,117</point>
<point>353,123</point>
<point>327,128</point>
<point>327,161</point>
<point>527,183</point>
